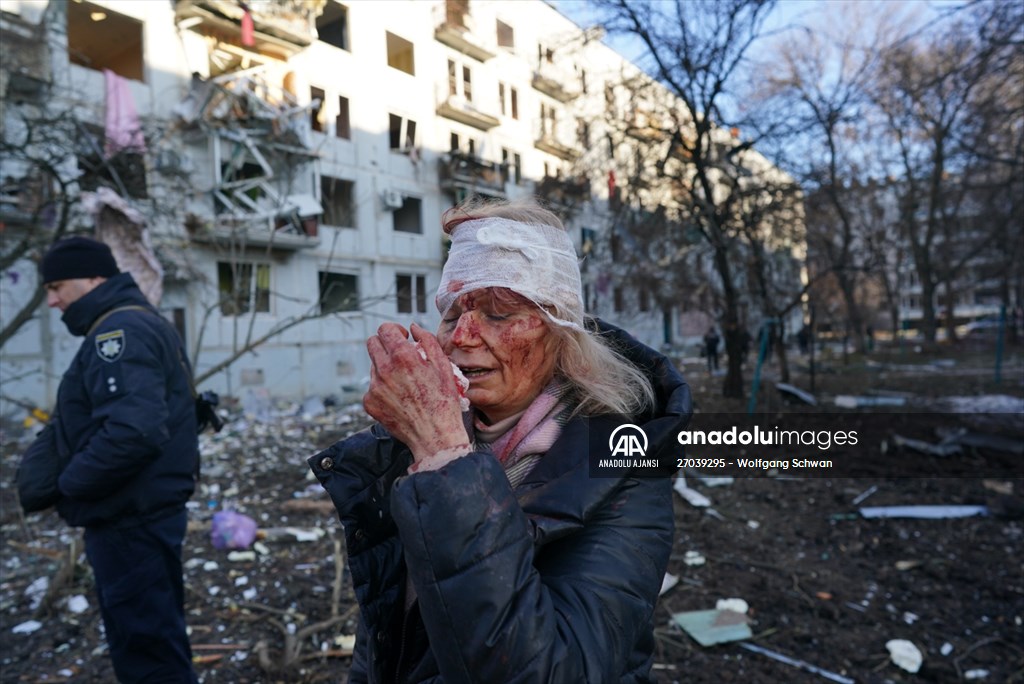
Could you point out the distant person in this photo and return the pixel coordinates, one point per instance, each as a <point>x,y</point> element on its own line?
<point>711,341</point>
<point>482,549</point>
<point>803,339</point>
<point>123,438</point>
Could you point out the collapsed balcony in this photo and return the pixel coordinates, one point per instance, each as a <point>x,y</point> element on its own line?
<point>259,135</point>
<point>564,192</point>
<point>281,27</point>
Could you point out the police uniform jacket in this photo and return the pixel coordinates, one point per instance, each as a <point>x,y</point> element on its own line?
<point>553,581</point>
<point>125,419</point>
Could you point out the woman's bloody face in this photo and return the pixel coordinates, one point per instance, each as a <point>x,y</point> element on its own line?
<point>502,344</point>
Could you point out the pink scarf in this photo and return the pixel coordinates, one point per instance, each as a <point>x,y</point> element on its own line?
<point>538,428</point>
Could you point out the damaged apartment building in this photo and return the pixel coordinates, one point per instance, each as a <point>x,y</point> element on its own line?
<point>273,172</point>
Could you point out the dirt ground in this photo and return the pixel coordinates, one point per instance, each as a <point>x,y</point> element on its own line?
<point>825,586</point>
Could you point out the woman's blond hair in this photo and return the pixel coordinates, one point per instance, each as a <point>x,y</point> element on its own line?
<point>602,379</point>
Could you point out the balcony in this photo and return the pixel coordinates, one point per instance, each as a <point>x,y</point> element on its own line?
<point>291,225</point>
<point>551,83</point>
<point>457,108</point>
<point>281,27</point>
<point>455,28</point>
<point>458,171</point>
<point>564,192</point>
<point>646,127</point>
<point>547,142</point>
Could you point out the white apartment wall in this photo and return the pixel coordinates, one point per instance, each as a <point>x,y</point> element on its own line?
<point>327,356</point>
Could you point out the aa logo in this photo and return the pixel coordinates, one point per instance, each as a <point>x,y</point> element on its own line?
<point>628,440</point>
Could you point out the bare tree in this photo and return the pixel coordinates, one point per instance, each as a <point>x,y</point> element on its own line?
<point>823,79</point>
<point>929,93</point>
<point>37,158</point>
<point>695,50</point>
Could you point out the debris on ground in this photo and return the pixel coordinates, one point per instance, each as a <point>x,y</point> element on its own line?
<point>792,392</point>
<point>905,655</point>
<point>923,512</point>
<point>691,496</point>
<point>801,664</point>
<point>853,402</point>
<point>829,588</point>
<point>710,627</point>
<point>978,440</point>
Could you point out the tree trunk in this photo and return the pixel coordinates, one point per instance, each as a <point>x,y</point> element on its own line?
<point>733,383</point>
<point>855,323</point>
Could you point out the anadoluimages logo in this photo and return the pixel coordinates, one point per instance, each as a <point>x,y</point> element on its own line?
<point>629,441</point>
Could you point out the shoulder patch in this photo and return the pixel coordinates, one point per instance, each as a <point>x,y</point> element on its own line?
<point>110,345</point>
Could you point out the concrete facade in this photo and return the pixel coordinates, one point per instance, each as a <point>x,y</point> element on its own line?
<point>498,93</point>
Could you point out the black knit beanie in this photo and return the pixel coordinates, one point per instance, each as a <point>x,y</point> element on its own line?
<point>78,257</point>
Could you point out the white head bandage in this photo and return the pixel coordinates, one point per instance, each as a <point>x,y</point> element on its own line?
<point>537,261</point>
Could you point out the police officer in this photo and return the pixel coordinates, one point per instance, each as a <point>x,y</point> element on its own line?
<point>125,431</point>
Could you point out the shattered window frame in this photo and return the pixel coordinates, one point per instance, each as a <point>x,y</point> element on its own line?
<point>337,196</point>
<point>243,287</point>
<point>339,292</point>
<point>332,26</point>
<point>124,172</point>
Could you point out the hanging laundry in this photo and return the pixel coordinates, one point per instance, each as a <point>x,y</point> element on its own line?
<point>248,28</point>
<point>123,130</point>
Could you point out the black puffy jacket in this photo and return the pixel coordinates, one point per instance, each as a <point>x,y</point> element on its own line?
<point>555,581</point>
<point>125,420</point>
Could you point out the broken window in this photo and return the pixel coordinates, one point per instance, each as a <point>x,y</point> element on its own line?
<point>99,38</point>
<point>400,54</point>
<point>338,292</point>
<point>243,287</point>
<point>342,126</point>
<point>317,96</point>
<point>332,25</point>
<point>407,219</point>
<point>506,36</point>
<point>337,197</point>
<point>411,293</point>
<point>402,132</point>
<point>235,194</point>
<point>124,172</point>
